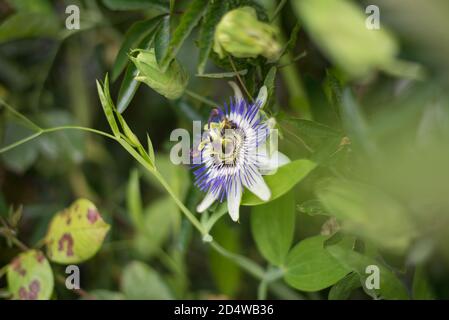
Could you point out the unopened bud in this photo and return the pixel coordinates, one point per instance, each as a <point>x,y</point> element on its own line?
<point>242,35</point>
<point>171,83</point>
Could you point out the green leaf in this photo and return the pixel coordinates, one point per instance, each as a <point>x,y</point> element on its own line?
<point>159,220</point>
<point>322,141</point>
<point>226,274</point>
<point>21,158</point>
<point>421,287</point>
<point>134,199</point>
<point>342,289</point>
<point>136,4</point>
<point>270,82</point>
<point>282,181</point>
<point>176,176</point>
<point>42,6</point>
<point>354,122</point>
<point>75,234</point>
<point>108,107</point>
<point>390,287</point>
<point>141,282</point>
<point>310,267</point>
<point>128,133</point>
<point>314,134</point>
<point>273,226</point>
<point>30,277</point>
<point>188,21</point>
<point>162,39</point>
<point>290,45</point>
<point>151,150</point>
<point>215,10</point>
<point>369,213</point>
<point>137,36</point>
<point>29,25</point>
<point>221,75</point>
<point>328,22</point>
<point>128,88</point>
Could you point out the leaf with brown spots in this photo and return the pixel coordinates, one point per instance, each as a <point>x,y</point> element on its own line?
<point>76,233</point>
<point>30,277</point>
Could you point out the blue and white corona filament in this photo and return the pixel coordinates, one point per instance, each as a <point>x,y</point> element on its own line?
<point>232,155</point>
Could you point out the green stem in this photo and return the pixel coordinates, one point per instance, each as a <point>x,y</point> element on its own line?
<point>20,116</point>
<point>22,141</point>
<point>278,10</point>
<point>102,133</point>
<point>296,58</point>
<point>281,290</point>
<point>189,215</point>
<point>48,130</point>
<point>262,290</point>
<point>201,98</point>
<point>245,263</point>
<point>240,79</point>
<point>19,244</point>
<point>219,212</point>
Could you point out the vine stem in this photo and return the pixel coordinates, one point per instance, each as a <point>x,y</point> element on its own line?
<point>278,10</point>
<point>20,115</point>
<point>245,263</point>
<point>240,79</point>
<point>201,98</point>
<point>48,130</point>
<point>189,215</point>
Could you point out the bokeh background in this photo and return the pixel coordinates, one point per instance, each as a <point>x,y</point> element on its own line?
<point>397,141</point>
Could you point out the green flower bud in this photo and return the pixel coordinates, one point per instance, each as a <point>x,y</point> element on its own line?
<point>243,36</point>
<point>171,83</point>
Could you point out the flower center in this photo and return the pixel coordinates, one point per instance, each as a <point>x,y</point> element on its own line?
<point>223,141</point>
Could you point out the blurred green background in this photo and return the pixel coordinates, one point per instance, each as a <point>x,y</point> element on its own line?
<point>395,122</point>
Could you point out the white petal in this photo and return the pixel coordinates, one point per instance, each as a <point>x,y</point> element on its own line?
<point>262,96</point>
<point>234,197</point>
<point>259,188</point>
<point>237,92</point>
<point>206,203</point>
<point>268,164</point>
<point>282,159</point>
